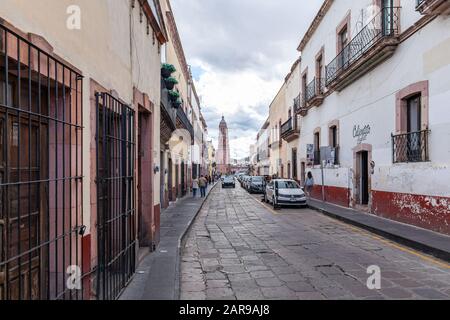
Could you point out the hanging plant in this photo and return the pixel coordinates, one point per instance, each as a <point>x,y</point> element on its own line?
<point>170,83</point>
<point>173,95</point>
<point>167,69</point>
<point>177,104</point>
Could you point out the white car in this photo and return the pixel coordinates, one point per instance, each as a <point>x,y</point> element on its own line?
<point>285,192</point>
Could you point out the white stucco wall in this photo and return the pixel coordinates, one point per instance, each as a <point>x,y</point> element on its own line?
<point>371,101</point>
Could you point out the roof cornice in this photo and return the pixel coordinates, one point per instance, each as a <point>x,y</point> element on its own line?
<point>315,23</point>
<point>160,33</point>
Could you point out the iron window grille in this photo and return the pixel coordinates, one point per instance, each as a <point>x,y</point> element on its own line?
<point>384,24</point>
<point>335,151</point>
<point>411,147</point>
<point>116,198</point>
<point>40,172</point>
<point>317,158</point>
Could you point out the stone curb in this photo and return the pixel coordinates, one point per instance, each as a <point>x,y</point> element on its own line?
<point>420,246</point>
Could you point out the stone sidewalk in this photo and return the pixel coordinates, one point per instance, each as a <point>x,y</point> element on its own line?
<point>427,241</point>
<point>158,275</point>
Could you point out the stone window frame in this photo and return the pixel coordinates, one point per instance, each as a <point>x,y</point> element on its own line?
<point>345,23</point>
<point>319,56</point>
<point>318,130</point>
<point>418,88</point>
<point>332,124</point>
<point>304,82</point>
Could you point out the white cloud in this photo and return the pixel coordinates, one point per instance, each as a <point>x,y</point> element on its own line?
<point>244,48</point>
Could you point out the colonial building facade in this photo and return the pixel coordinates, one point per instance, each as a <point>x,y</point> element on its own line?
<point>373,82</point>
<point>83,110</point>
<point>374,86</point>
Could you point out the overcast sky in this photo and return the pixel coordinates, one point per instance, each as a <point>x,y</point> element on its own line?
<point>240,52</point>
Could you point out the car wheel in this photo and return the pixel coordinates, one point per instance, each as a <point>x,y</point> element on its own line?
<point>275,206</point>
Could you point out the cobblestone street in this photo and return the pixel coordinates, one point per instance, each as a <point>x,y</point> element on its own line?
<point>239,248</point>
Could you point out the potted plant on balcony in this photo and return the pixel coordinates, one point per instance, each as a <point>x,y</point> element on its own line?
<point>173,95</point>
<point>167,69</point>
<point>176,104</point>
<point>170,83</point>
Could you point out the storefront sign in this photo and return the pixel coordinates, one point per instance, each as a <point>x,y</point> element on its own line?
<point>361,133</point>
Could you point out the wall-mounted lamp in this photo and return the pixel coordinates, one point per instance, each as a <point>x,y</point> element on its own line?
<point>156,169</point>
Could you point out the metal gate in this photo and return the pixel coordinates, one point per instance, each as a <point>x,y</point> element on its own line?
<point>115,138</point>
<point>40,173</point>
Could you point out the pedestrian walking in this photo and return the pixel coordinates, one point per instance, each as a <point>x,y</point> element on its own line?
<point>203,183</point>
<point>195,187</point>
<point>309,183</point>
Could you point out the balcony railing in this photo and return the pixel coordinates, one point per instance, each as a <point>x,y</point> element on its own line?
<point>433,7</point>
<point>181,115</point>
<point>384,25</point>
<point>410,147</point>
<point>287,126</point>
<point>289,130</point>
<point>419,2</point>
<point>297,103</point>
<point>315,90</point>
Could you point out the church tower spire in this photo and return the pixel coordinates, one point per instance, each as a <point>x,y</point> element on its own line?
<point>223,150</point>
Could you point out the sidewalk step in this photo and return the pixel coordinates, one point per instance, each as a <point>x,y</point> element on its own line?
<point>427,241</point>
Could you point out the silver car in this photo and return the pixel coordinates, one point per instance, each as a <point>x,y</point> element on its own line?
<point>285,192</point>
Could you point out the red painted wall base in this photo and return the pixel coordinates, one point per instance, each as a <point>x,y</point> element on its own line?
<point>427,212</point>
<point>334,195</point>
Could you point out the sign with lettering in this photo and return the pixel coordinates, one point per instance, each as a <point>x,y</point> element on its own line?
<point>310,154</point>
<point>361,133</point>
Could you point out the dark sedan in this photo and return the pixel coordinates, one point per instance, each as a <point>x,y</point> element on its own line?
<point>256,185</point>
<point>228,182</point>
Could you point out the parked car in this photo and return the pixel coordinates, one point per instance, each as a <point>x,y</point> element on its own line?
<point>228,182</point>
<point>284,192</point>
<point>243,179</point>
<point>246,182</point>
<point>256,185</point>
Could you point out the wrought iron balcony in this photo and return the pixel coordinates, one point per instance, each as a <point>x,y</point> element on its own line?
<point>410,147</point>
<point>290,130</point>
<point>314,92</point>
<point>376,42</point>
<point>433,7</point>
<point>297,104</point>
<point>184,123</point>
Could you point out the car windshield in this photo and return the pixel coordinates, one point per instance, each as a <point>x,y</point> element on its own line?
<point>257,179</point>
<point>288,185</point>
<point>228,179</point>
